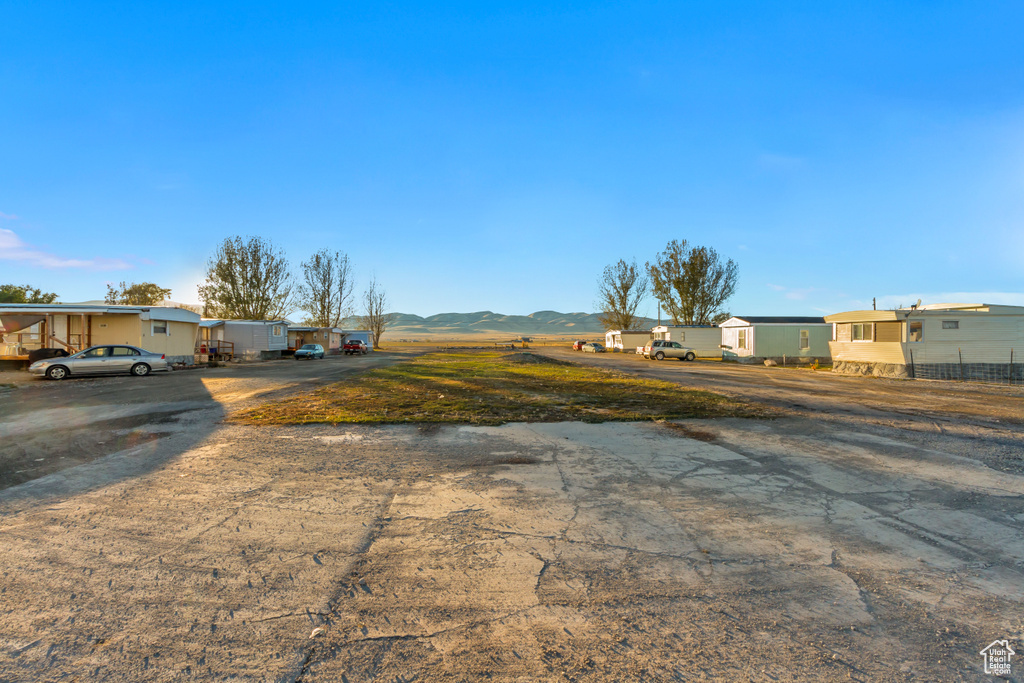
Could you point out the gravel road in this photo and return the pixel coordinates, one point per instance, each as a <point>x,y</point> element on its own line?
<point>822,545</point>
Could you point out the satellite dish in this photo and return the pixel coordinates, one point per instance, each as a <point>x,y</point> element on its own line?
<point>918,304</point>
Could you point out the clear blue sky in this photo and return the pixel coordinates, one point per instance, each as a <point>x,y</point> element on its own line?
<point>498,155</point>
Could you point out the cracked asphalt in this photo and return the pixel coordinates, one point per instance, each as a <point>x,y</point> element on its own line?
<point>809,547</point>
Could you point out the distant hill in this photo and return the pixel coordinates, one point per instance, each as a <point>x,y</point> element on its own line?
<point>490,324</point>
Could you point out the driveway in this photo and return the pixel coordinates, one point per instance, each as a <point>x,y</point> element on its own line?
<point>48,427</point>
<point>797,548</point>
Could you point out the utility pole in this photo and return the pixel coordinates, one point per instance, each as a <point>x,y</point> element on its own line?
<point>659,314</point>
<point>874,307</point>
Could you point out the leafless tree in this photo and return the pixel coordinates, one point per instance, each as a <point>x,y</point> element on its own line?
<point>375,318</point>
<point>247,280</point>
<point>136,294</point>
<point>621,289</point>
<point>692,283</point>
<point>327,288</point>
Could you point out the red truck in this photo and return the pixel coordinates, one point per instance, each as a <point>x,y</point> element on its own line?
<point>354,346</point>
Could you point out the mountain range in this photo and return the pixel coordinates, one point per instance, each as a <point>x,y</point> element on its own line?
<point>488,323</point>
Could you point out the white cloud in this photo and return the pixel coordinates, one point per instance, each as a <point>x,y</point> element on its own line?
<point>7,216</point>
<point>1005,298</point>
<point>13,249</point>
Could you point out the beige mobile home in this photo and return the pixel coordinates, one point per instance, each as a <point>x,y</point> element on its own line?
<point>937,341</point>
<point>705,340</point>
<point>782,339</point>
<point>627,340</point>
<point>331,338</point>
<point>72,327</point>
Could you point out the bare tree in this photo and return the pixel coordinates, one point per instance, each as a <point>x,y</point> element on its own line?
<point>692,283</point>
<point>375,317</point>
<point>621,289</point>
<point>247,280</point>
<point>327,288</point>
<point>136,294</point>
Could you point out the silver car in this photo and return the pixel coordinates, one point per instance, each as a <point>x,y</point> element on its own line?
<point>660,350</point>
<point>102,360</point>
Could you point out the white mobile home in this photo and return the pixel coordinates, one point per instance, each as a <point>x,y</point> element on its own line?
<point>705,340</point>
<point>627,340</point>
<point>25,328</point>
<point>936,341</point>
<point>246,339</point>
<point>782,339</point>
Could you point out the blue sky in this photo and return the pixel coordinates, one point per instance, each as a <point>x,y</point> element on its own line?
<point>496,156</point>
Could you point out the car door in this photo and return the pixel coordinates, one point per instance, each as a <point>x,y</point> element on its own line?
<point>122,358</point>
<point>91,362</point>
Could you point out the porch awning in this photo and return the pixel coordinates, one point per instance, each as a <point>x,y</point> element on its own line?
<point>13,323</point>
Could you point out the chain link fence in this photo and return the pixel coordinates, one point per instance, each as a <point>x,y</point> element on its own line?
<point>1010,372</point>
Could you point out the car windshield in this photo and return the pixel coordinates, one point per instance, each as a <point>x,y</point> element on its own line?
<point>309,347</point>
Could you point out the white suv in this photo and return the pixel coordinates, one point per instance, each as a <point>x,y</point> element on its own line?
<point>660,350</point>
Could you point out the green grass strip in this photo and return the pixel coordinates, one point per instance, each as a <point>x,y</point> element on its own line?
<point>491,388</point>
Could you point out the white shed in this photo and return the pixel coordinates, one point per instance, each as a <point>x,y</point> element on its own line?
<point>249,339</point>
<point>626,340</point>
<point>705,340</point>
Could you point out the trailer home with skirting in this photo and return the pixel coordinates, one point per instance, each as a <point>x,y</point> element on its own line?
<point>785,340</point>
<point>935,341</point>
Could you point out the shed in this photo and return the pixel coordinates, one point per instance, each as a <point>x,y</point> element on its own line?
<point>935,341</point>
<point>331,338</point>
<point>705,340</point>
<point>249,339</point>
<point>627,340</point>
<point>779,338</point>
<point>73,327</point>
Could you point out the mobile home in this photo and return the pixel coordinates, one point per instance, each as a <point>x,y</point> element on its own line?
<point>936,341</point>
<point>627,340</point>
<point>72,327</point>
<point>753,339</point>
<point>245,339</point>
<point>331,338</point>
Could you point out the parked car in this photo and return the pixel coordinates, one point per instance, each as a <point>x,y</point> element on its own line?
<point>660,350</point>
<point>102,360</point>
<point>309,352</point>
<point>593,347</point>
<point>355,346</point>
<point>578,345</point>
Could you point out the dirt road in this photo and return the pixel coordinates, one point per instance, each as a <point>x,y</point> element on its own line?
<point>800,548</point>
<point>48,427</point>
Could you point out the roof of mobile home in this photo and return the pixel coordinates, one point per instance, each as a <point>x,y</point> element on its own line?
<point>927,309</point>
<point>155,312</point>
<point>738,320</point>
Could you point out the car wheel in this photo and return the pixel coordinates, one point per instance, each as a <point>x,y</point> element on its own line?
<point>57,372</point>
<point>660,355</point>
<point>690,356</point>
<point>140,369</point>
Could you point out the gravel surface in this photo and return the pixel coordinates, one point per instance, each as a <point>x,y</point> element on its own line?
<point>818,546</point>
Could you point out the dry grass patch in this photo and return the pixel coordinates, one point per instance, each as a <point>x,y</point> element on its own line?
<point>489,388</point>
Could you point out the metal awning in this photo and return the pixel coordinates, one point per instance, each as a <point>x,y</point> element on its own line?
<point>13,323</point>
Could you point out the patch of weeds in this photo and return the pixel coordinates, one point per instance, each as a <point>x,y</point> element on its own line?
<point>489,388</point>
<point>690,432</point>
